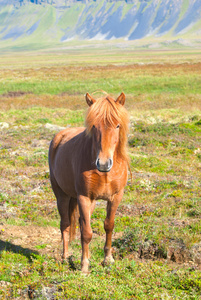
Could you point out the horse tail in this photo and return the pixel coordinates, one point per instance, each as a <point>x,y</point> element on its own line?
<point>73,215</point>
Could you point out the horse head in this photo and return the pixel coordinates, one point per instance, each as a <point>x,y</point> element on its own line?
<point>106,123</point>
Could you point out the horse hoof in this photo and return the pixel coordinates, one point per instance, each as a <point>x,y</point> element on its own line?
<point>64,259</point>
<point>108,261</point>
<point>85,271</point>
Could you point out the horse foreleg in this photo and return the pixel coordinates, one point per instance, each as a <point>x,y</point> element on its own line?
<point>109,226</point>
<point>85,209</point>
<point>93,204</point>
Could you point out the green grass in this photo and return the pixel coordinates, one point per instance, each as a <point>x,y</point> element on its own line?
<point>124,280</point>
<point>127,80</point>
<point>160,211</point>
<point>36,116</point>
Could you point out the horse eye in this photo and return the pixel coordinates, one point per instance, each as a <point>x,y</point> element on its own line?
<point>118,126</point>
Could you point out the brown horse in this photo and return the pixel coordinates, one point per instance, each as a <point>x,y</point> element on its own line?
<point>87,164</point>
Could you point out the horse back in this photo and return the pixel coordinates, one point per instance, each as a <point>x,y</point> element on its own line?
<point>62,138</point>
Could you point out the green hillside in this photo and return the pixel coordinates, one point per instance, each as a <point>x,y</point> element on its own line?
<point>34,26</point>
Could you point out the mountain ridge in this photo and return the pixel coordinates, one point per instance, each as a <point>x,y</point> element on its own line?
<point>59,21</point>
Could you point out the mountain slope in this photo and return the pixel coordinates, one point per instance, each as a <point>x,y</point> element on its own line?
<point>25,23</point>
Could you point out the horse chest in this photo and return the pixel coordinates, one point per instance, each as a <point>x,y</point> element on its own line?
<point>104,186</point>
<point>104,191</point>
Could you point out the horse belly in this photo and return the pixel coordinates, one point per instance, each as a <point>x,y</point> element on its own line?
<point>63,157</point>
<point>64,174</point>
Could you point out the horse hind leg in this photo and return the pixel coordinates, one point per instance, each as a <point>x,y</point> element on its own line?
<point>73,216</point>
<point>63,203</point>
<point>63,208</point>
<point>67,207</point>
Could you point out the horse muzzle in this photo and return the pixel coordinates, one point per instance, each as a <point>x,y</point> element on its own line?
<point>104,167</point>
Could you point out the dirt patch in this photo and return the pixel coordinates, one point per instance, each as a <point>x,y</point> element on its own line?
<point>31,239</point>
<point>47,241</point>
<point>133,210</point>
<point>179,253</point>
<point>68,93</point>
<point>132,245</point>
<point>15,94</point>
<point>150,250</point>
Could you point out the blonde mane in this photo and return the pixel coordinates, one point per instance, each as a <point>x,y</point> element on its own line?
<point>111,113</point>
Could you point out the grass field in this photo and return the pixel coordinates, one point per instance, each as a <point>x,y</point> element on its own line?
<point>157,235</point>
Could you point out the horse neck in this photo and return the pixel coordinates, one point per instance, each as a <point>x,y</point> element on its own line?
<point>117,157</point>
<point>86,144</point>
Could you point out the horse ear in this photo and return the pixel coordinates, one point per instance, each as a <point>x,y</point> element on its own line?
<point>90,100</point>
<point>121,99</point>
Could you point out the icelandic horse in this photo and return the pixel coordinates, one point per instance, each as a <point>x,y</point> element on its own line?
<point>87,164</point>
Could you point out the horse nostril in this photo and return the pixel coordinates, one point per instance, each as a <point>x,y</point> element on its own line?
<point>110,163</point>
<point>98,163</point>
